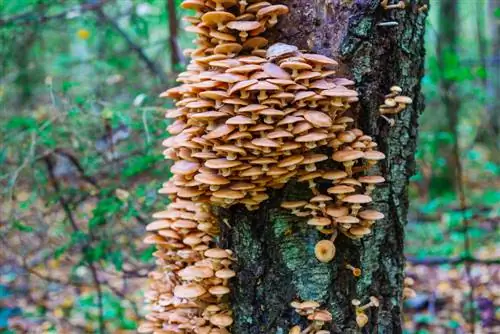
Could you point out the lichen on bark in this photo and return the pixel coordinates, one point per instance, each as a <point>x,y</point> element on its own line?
<point>275,250</point>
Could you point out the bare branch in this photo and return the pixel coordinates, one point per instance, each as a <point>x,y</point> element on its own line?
<point>36,17</point>
<point>151,65</point>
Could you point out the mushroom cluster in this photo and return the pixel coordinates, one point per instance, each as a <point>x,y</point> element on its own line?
<point>188,290</point>
<point>314,314</point>
<point>249,118</point>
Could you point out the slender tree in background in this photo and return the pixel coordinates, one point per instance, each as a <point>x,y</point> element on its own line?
<point>377,48</point>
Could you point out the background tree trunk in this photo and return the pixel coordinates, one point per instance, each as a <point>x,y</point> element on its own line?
<point>275,250</point>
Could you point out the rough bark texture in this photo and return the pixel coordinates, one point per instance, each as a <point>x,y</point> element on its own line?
<point>275,250</point>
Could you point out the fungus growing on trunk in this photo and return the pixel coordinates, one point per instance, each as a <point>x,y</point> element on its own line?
<point>250,118</point>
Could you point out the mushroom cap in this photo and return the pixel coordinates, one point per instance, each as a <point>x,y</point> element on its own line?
<point>303,95</point>
<point>334,175</point>
<point>309,176</point>
<point>222,36</point>
<point>242,85</point>
<point>264,142</point>
<point>318,119</point>
<point>324,251</point>
<point>311,137</point>
<point>220,131</point>
<point>229,194</point>
<point>263,86</point>
<point>319,221</point>
<point>214,94</point>
<point>229,77</point>
<point>221,320</point>
<point>274,71</point>
<point>291,160</point>
<point>359,231</point>
<point>272,10</point>
<point>293,204</point>
<point>347,220</point>
<point>189,291</point>
<point>279,134</point>
<point>213,18</point>
<point>371,215</point>
<point>357,199</point>
<point>340,189</point>
<point>295,65</point>
<point>216,253</point>
<point>318,59</point>
<point>240,120</point>
<point>225,273</point>
<point>184,167</point>
<point>193,272</point>
<point>219,290</point>
<point>312,158</point>
<point>374,155</point>
<point>336,212</point>
<point>347,155</point>
<point>255,43</point>
<point>279,50</point>
<point>403,99</point>
<point>371,179</point>
<point>228,48</point>
<point>211,179</point>
<point>320,315</point>
<point>244,69</point>
<point>244,25</point>
<point>222,163</point>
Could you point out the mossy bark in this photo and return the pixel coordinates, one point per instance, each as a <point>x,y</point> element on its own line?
<point>274,249</point>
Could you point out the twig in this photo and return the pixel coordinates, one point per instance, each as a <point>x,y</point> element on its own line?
<point>86,248</point>
<point>152,66</point>
<point>176,56</point>
<point>35,17</point>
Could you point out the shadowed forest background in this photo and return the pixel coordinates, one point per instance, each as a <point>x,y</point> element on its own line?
<point>81,162</point>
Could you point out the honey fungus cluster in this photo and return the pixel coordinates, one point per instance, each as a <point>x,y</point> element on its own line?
<point>250,117</point>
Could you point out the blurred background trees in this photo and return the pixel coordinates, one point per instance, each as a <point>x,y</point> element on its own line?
<point>80,163</point>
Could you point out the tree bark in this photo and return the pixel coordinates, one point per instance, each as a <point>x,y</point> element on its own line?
<point>274,249</point>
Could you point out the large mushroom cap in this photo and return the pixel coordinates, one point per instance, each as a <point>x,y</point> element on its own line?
<point>189,291</point>
<point>371,215</point>
<point>357,199</point>
<point>347,155</point>
<point>324,251</point>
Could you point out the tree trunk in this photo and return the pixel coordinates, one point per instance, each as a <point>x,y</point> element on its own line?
<point>275,250</point>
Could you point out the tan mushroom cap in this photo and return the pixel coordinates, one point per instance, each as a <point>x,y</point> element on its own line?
<point>324,251</point>
<point>318,119</point>
<point>221,163</point>
<point>244,25</point>
<point>225,273</point>
<point>221,320</point>
<point>219,290</point>
<point>340,189</point>
<point>184,167</point>
<point>293,160</point>
<point>211,179</point>
<point>337,212</point>
<point>371,215</point>
<point>357,199</point>
<point>255,43</point>
<point>217,18</point>
<point>276,72</point>
<point>263,86</point>
<point>189,291</point>
<point>242,85</point>
<point>359,231</point>
<point>320,315</point>
<point>403,99</point>
<point>227,49</point>
<point>371,179</point>
<point>293,204</point>
<point>319,221</point>
<point>374,155</point>
<point>193,272</point>
<point>216,253</point>
<point>229,194</point>
<point>220,131</point>
<point>347,220</point>
<point>334,175</point>
<point>347,155</point>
